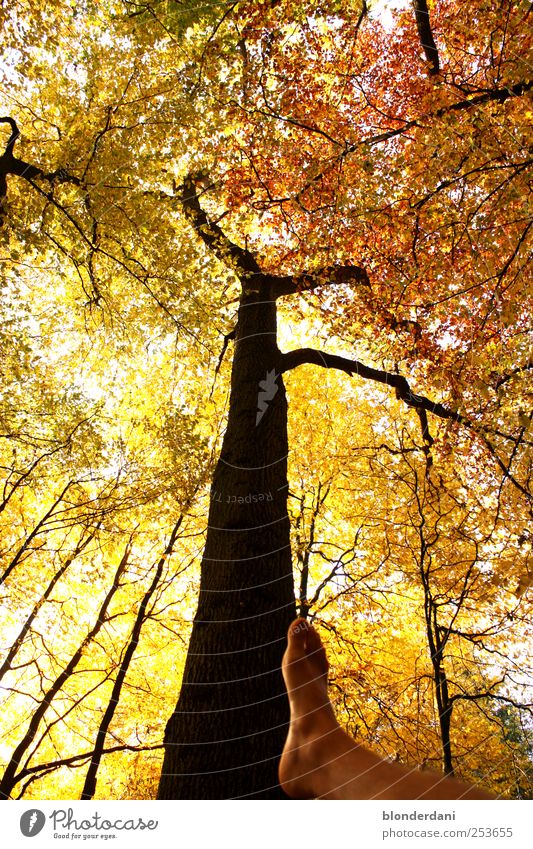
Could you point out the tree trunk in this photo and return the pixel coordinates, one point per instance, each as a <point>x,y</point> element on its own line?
<point>442,695</point>
<point>225,737</point>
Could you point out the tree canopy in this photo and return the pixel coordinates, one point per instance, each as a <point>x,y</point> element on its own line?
<point>372,162</point>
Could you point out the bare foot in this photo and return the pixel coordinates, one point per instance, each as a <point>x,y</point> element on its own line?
<point>320,760</point>
<point>313,723</point>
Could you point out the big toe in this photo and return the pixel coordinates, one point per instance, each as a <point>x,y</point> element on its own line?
<point>305,658</point>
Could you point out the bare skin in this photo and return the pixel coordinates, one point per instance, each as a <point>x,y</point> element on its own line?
<point>321,761</point>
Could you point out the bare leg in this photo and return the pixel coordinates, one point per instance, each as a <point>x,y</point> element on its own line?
<point>321,761</point>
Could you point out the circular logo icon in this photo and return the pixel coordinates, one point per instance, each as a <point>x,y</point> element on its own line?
<point>32,822</point>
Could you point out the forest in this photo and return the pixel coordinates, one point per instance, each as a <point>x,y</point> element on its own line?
<point>265,345</point>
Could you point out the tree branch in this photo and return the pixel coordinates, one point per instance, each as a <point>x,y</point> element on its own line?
<point>362,15</point>
<point>505,377</point>
<point>231,335</point>
<point>293,359</point>
<point>498,95</point>
<point>239,259</point>
<point>473,697</point>
<point>333,275</point>
<point>15,133</point>
<point>425,34</point>
<point>81,758</point>
<point>10,164</point>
